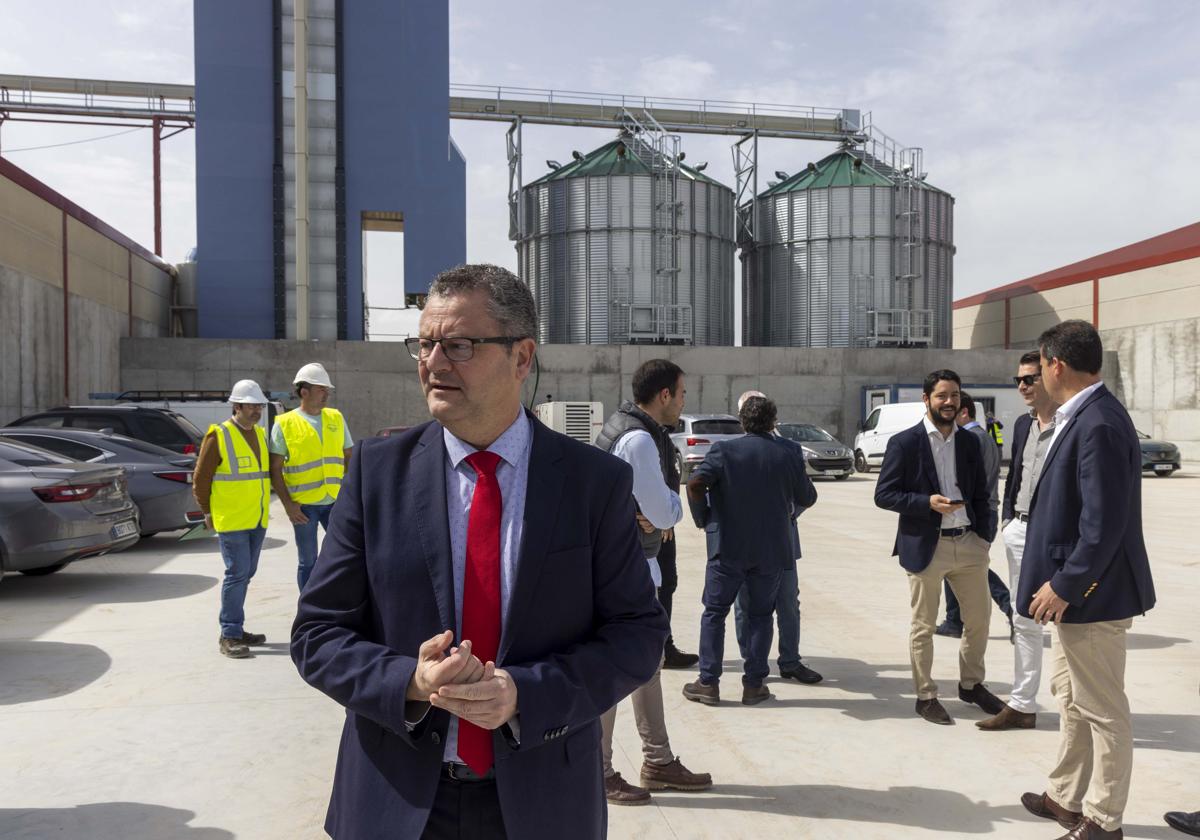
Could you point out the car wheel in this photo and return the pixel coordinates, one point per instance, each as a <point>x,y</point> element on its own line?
<point>44,570</point>
<point>679,466</point>
<point>860,462</point>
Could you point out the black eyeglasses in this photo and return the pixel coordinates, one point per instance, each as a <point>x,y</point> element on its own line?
<point>1027,380</point>
<point>456,349</point>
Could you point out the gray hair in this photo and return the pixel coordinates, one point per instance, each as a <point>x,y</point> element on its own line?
<point>509,301</point>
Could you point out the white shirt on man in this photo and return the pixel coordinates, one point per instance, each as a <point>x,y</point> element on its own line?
<point>657,502</point>
<point>947,472</point>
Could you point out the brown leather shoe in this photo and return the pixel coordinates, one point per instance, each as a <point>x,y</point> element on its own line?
<point>1088,829</point>
<point>253,638</point>
<point>233,648</point>
<point>698,692</point>
<point>673,776</point>
<point>1041,805</point>
<point>619,792</point>
<point>752,695</point>
<point>1009,718</point>
<point>934,712</point>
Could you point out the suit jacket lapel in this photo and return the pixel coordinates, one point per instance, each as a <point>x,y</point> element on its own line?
<point>544,492</point>
<point>426,493</point>
<point>1061,441</point>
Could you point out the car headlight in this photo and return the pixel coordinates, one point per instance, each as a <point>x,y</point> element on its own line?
<point>808,453</point>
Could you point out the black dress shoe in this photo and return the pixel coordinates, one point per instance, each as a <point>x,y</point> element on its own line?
<point>981,697</point>
<point>1183,821</point>
<point>934,712</point>
<point>954,631</point>
<point>674,659</point>
<point>801,673</point>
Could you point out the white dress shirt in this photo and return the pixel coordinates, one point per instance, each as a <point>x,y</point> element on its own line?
<point>947,473</point>
<point>657,502</point>
<point>1068,410</point>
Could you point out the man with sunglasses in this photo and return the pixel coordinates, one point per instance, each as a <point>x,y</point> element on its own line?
<point>1031,439</point>
<point>481,598</point>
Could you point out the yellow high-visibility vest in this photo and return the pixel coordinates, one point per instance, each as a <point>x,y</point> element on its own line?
<point>315,465</point>
<point>241,489</point>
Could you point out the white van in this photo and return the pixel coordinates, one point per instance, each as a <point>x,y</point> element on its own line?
<point>203,408</point>
<point>883,422</point>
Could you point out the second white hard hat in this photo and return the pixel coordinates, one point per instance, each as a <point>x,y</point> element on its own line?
<point>314,374</point>
<point>247,391</point>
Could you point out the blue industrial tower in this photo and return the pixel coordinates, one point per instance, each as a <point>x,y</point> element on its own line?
<point>378,155</point>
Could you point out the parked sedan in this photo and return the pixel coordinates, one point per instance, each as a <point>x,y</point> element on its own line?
<point>1158,456</point>
<point>160,481</point>
<point>823,453</point>
<point>54,511</point>
<point>696,433</point>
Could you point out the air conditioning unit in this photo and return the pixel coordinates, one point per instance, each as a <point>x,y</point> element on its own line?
<point>580,420</point>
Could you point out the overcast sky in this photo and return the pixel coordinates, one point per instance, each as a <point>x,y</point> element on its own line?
<point>1063,129</point>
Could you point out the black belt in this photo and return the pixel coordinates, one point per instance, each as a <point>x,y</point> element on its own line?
<point>462,773</point>
<point>953,532</point>
<point>1024,517</point>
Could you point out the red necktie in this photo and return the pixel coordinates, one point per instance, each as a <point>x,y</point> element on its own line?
<point>481,594</point>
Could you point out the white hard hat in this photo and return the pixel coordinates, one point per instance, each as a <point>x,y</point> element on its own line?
<point>747,395</point>
<point>247,391</point>
<point>314,374</point>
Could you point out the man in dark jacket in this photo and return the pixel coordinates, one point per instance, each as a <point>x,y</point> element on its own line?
<point>1085,568</point>
<point>933,476</point>
<point>743,495</point>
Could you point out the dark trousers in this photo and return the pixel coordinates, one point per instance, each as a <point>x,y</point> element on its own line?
<point>787,615</point>
<point>1000,595</point>
<point>670,579</point>
<point>465,811</point>
<point>721,585</point>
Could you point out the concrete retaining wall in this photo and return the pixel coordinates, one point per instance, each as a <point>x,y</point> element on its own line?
<point>377,382</point>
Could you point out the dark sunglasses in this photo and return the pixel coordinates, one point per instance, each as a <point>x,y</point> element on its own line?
<point>1027,380</point>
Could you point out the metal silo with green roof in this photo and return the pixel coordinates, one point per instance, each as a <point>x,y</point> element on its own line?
<point>626,244</point>
<point>849,252</point>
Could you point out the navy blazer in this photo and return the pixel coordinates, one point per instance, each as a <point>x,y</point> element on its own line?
<point>757,486</point>
<point>583,630</point>
<point>1016,465</point>
<point>908,477</point>
<point>1085,519</point>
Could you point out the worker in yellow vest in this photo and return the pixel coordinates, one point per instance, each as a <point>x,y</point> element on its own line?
<point>310,446</point>
<point>232,485</point>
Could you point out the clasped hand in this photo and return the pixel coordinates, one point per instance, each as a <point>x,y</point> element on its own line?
<point>454,679</point>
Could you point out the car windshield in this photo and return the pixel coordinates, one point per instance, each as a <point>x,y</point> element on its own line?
<point>804,433</point>
<point>187,424</point>
<point>716,427</point>
<point>29,456</point>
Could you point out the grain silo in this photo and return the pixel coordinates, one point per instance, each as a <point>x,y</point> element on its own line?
<point>626,245</point>
<point>849,253</point>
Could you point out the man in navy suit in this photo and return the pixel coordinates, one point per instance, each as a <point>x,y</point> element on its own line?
<point>480,600</point>
<point>933,476</point>
<point>744,495</point>
<point>1085,568</point>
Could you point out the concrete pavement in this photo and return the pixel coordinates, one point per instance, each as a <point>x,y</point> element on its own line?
<point>120,719</point>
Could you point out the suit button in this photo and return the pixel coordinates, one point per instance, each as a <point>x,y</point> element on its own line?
<point>437,738</point>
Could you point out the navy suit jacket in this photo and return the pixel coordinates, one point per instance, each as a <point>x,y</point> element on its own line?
<point>1085,519</point>
<point>583,630</point>
<point>757,486</point>
<point>1016,466</point>
<point>908,477</point>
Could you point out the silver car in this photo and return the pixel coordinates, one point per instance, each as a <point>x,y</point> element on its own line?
<point>696,433</point>
<point>160,481</point>
<point>54,511</point>
<point>823,453</point>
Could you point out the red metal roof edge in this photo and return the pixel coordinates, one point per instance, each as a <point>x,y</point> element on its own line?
<point>23,179</point>
<point>1172,246</point>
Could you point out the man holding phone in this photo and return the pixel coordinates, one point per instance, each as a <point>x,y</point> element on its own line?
<point>934,477</point>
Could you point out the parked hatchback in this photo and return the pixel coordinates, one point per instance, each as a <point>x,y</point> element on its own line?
<point>54,511</point>
<point>823,453</point>
<point>160,481</point>
<point>696,433</point>
<point>160,426</point>
<point>1158,456</point>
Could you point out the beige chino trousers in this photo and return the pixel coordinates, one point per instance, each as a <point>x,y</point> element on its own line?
<point>1095,748</point>
<point>651,725</point>
<point>963,561</point>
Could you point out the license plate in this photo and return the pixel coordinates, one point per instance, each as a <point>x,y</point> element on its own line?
<point>124,529</point>
<point>1163,468</point>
